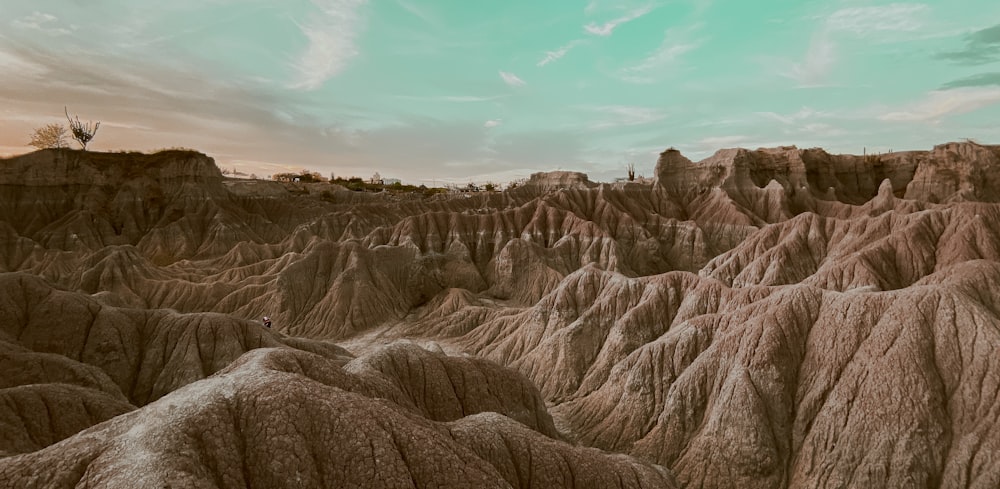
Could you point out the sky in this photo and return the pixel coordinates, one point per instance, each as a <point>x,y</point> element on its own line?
<point>458,90</point>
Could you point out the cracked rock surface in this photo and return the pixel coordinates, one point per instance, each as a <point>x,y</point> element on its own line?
<point>769,318</point>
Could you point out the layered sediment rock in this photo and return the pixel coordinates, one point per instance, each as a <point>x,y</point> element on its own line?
<point>761,318</point>
<point>277,416</point>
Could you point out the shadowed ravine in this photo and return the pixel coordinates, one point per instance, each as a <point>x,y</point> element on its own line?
<point>759,319</point>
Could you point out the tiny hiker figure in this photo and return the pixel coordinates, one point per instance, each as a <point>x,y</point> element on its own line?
<point>267,322</point>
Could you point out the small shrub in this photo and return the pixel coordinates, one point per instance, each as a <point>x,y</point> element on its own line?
<point>49,136</point>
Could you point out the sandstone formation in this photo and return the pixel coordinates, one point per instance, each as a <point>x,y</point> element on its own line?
<point>284,417</point>
<point>762,318</point>
<point>228,403</point>
<point>559,180</point>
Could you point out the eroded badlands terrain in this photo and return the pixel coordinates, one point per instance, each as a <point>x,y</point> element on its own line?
<point>759,319</point>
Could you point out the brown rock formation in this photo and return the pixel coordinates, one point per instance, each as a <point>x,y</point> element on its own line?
<point>560,179</point>
<point>951,172</point>
<point>287,418</point>
<point>767,318</point>
<point>35,416</point>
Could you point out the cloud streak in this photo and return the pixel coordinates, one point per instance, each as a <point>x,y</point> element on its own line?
<point>666,54</point>
<point>818,62</point>
<point>19,65</point>
<point>981,47</point>
<point>332,33</point>
<point>723,141</point>
<point>417,12</point>
<point>627,115</point>
<point>675,44</point>
<point>884,22</point>
<point>938,104</point>
<point>863,21</point>
<point>42,22</point>
<point>803,114</point>
<point>980,80</point>
<point>452,98</point>
<point>512,79</point>
<point>551,56</point>
<point>607,28</point>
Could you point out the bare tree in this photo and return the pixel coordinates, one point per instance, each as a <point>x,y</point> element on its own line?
<point>82,133</point>
<point>49,136</point>
<point>631,171</point>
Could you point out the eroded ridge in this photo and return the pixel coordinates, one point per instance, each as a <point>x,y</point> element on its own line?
<point>779,317</point>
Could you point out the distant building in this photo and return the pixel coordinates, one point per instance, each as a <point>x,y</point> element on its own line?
<point>391,181</point>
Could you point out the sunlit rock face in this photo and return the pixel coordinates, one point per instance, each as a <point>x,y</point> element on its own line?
<point>770,318</point>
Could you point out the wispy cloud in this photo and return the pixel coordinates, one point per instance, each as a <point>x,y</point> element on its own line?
<point>19,66</point>
<point>43,22</point>
<point>332,32</point>
<point>723,141</point>
<point>418,12</point>
<point>465,98</point>
<point>980,80</point>
<point>452,98</point>
<point>885,23</point>
<point>607,28</point>
<point>938,104</point>
<point>814,69</point>
<point>512,79</point>
<point>492,123</point>
<point>804,122</point>
<point>551,56</point>
<point>819,129</point>
<point>675,44</point>
<point>981,47</point>
<point>666,54</point>
<point>864,21</point>
<point>803,114</point>
<point>626,115</point>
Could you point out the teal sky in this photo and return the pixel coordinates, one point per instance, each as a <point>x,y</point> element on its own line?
<point>459,90</point>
